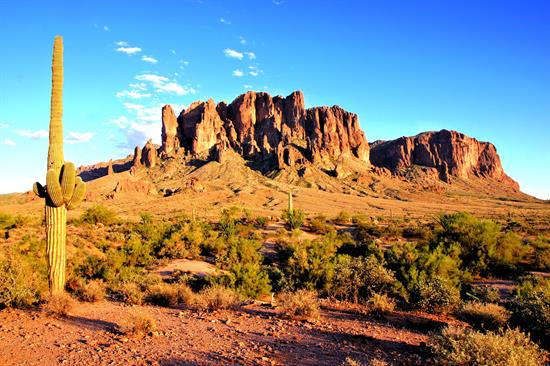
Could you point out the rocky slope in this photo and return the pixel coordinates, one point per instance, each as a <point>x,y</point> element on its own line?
<point>451,153</point>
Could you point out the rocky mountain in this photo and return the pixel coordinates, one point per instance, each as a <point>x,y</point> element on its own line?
<point>451,153</point>
<point>278,133</point>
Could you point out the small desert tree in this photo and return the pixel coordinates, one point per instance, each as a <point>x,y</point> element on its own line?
<point>63,190</point>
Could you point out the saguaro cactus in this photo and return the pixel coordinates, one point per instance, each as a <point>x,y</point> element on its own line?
<point>63,190</point>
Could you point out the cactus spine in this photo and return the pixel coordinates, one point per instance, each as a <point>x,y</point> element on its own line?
<point>63,189</point>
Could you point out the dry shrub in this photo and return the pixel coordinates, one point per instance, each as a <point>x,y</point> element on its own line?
<point>137,323</point>
<point>302,304</point>
<point>374,362</point>
<point>484,316</point>
<point>93,291</point>
<point>19,284</point>
<point>380,304</point>
<point>169,295</point>
<point>58,305</point>
<point>215,298</point>
<point>459,346</point>
<point>131,293</point>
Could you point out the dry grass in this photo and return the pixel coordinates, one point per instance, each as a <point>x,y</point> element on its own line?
<point>131,293</point>
<point>215,298</point>
<point>137,323</point>
<point>380,304</point>
<point>484,316</point>
<point>58,305</point>
<point>169,295</point>
<point>92,291</point>
<point>301,305</point>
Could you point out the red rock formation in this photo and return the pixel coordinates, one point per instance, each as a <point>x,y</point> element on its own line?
<point>450,152</point>
<point>110,170</point>
<point>149,155</point>
<point>169,131</point>
<point>276,129</point>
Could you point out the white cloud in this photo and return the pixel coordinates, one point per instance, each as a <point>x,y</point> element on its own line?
<point>78,137</point>
<point>238,73</point>
<point>9,142</point>
<point>247,86</point>
<point>242,41</point>
<point>122,44</point>
<point>128,50</point>
<point>233,54</point>
<point>254,73</point>
<point>149,59</point>
<point>4,125</point>
<point>133,94</point>
<point>173,52</point>
<point>35,135</point>
<point>225,21</point>
<point>163,85</point>
<point>251,55</point>
<point>139,86</point>
<point>106,28</point>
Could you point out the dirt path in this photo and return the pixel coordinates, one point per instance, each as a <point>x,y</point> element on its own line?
<point>251,336</point>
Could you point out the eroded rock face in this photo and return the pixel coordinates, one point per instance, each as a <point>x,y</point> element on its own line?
<point>149,155</point>
<point>169,131</point>
<point>274,129</point>
<point>453,154</point>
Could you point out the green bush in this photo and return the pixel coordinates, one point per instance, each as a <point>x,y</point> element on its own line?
<point>136,252</point>
<point>458,346</point>
<point>243,263</point>
<point>541,253</point>
<point>531,308</point>
<point>435,295</point>
<point>98,214</point>
<point>380,304</point>
<point>20,285</point>
<point>484,316</point>
<point>88,291</point>
<point>485,294</point>
<point>357,279</point>
<point>343,218</point>
<point>320,225</point>
<point>294,219</point>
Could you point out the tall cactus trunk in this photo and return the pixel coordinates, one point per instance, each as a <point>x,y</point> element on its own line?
<point>56,217</point>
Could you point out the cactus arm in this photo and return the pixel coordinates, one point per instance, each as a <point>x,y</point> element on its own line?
<point>68,174</point>
<point>78,195</point>
<point>54,188</point>
<point>39,190</point>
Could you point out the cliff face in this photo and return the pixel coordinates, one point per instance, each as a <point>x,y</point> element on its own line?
<point>261,127</point>
<point>450,152</point>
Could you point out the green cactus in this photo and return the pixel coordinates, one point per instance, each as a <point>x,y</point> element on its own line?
<point>64,190</point>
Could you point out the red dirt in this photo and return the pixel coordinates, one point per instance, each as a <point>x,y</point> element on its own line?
<point>253,335</point>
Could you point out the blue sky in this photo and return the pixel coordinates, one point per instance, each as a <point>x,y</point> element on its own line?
<point>481,67</point>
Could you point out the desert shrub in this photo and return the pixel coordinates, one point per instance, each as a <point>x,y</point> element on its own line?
<point>98,214</point>
<point>458,346</point>
<point>357,279</point>
<point>367,230</point>
<point>169,295</point>
<point>380,304</point>
<point>294,219</point>
<point>541,253</point>
<point>435,295</point>
<point>416,232</point>
<point>130,293</point>
<point>216,298</point>
<point>93,267</point>
<point>137,323</point>
<point>243,263</point>
<point>308,264</point>
<point>88,291</point>
<point>484,316</point>
<point>357,248</point>
<point>58,304</point>
<point>319,224</point>
<point>228,222</point>
<point>302,305</point>
<point>183,240</point>
<point>485,294</point>
<point>136,252</point>
<point>531,308</point>
<point>343,218</point>
<point>262,221</point>
<point>20,285</point>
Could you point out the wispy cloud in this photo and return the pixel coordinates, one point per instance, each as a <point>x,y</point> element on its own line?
<point>233,54</point>
<point>242,41</point>
<point>9,142</point>
<point>149,59</point>
<point>106,28</point>
<point>163,85</point>
<point>238,73</point>
<point>78,137</point>
<point>124,47</point>
<point>4,125</point>
<point>173,52</point>
<point>254,73</point>
<point>35,135</point>
<point>247,86</point>
<point>225,21</point>
<point>133,94</point>
<point>251,55</point>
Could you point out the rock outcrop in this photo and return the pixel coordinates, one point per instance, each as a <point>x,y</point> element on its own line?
<point>169,131</point>
<point>275,130</point>
<point>149,155</point>
<point>453,154</point>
